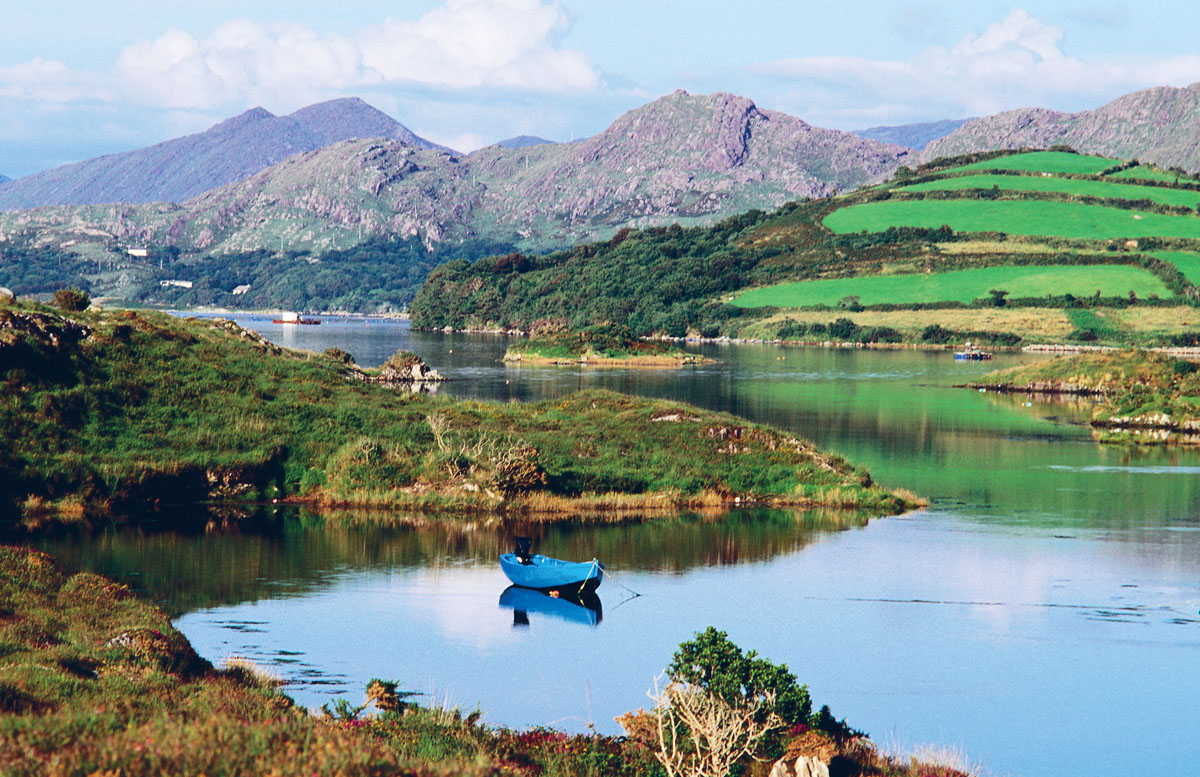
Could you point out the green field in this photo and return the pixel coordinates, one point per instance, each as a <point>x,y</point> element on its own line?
<point>1188,264</point>
<point>1037,183</point>
<point>961,286</point>
<point>1043,162</point>
<point>1014,217</point>
<point>1151,174</point>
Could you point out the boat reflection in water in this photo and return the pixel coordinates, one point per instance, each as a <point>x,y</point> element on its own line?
<point>584,609</point>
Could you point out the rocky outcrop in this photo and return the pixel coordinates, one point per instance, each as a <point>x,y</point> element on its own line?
<point>801,766</point>
<point>41,330</point>
<point>403,369</point>
<point>808,755</point>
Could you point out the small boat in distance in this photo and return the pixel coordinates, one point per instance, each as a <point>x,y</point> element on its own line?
<point>972,354</point>
<point>292,318</point>
<point>552,575</point>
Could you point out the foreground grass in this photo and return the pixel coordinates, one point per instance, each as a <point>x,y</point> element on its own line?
<point>105,412</point>
<point>961,286</point>
<point>1136,391</point>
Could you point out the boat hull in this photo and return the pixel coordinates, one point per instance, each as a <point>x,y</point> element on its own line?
<point>551,574</point>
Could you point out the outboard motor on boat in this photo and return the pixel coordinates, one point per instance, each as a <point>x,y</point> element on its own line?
<point>522,550</point>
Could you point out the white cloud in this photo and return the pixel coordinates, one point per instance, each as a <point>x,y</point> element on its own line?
<point>49,81</point>
<point>1016,62</point>
<point>463,44</point>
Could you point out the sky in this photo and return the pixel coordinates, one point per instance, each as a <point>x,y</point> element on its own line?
<point>80,78</point>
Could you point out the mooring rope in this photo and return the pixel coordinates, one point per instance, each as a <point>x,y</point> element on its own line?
<point>618,582</point>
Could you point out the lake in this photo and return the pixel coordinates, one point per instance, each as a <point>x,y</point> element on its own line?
<point>1042,615</point>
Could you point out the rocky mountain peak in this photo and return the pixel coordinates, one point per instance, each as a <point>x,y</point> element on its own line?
<point>1159,125</point>
<point>243,120</point>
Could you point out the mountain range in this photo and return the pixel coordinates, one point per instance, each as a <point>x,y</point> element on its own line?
<point>1159,125</point>
<point>683,157</point>
<point>179,169</point>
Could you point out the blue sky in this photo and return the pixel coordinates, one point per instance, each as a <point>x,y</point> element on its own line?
<point>79,79</point>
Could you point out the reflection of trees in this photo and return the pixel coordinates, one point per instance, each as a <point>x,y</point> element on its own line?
<point>289,552</point>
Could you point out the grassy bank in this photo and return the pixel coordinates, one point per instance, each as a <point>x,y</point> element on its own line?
<point>121,412</point>
<point>1141,397</point>
<point>94,681</point>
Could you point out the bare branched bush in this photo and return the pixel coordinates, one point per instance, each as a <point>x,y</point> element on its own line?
<point>702,735</point>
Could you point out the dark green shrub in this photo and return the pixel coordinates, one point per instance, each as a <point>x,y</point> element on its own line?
<point>72,300</point>
<point>936,334</point>
<point>712,662</point>
<point>844,329</point>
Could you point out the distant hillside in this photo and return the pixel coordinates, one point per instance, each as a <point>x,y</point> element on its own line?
<point>179,169</point>
<point>4,178</point>
<point>915,136</point>
<point>691,158</point>
<point>1160,125</point>
<point>522,141</point>
<point>996,248</point>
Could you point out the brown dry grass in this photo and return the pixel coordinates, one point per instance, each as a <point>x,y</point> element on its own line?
<point>1153,320</point>
<point>997,247</point>
<point>1032,323</point>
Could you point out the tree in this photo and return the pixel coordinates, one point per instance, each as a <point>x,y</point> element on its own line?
<point>998,297</point>
<point>851,302</point>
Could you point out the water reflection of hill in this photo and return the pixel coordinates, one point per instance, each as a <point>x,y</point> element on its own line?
<point>290,552</point>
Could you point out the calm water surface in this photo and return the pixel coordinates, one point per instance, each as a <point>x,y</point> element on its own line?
<point>1041,615</point>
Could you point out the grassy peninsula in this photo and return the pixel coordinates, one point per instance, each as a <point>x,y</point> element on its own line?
<point>600,346</point>
<point>1140,397</point>
<point>119,412</point>
<point>95,681</point>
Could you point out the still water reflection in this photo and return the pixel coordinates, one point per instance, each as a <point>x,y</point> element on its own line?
<point>1041,614</point>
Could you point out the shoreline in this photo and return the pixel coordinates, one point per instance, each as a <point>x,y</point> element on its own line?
<point>651,362</point>
<point>1192,353</point>
<point>613,506</point>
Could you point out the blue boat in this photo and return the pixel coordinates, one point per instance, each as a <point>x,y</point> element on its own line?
<point>584,609</point>
<point>543,573</point>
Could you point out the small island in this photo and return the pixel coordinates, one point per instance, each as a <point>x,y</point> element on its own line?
<point>122,413</point>
<point>1141,396</point>
<point>600,346</point>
